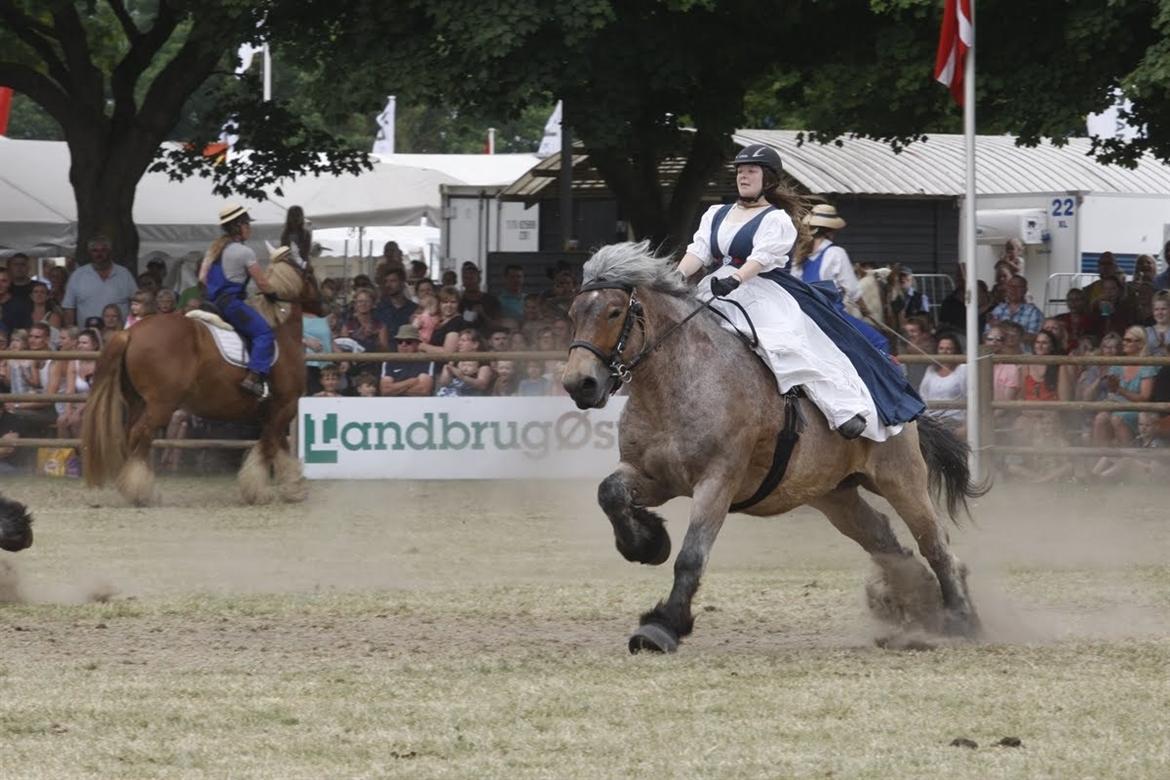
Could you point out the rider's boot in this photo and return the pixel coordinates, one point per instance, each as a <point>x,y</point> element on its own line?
<point>253,383</point>
<point>853,427</point>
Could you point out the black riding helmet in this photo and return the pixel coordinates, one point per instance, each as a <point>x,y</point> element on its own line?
<point>758,154</point>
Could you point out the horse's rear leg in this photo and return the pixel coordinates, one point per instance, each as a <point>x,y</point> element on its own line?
<point>136,480</point>
<point>663,627</point>
<point>904,593</point>
<point>640,535</point>
<point>909,495</point>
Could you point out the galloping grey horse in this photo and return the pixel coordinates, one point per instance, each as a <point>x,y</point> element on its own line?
<point>702,420</point>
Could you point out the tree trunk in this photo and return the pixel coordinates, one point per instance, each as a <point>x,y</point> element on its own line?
<point>105,176</point>
<point>667,220</point>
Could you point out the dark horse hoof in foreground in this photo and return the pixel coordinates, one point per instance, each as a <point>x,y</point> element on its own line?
<point>653,638</point>
<point>629,330</point>
<point>15,526</point>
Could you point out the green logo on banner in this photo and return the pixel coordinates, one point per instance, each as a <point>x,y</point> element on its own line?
<point>328,434</point>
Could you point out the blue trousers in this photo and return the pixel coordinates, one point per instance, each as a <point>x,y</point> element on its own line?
<point>249,324</point>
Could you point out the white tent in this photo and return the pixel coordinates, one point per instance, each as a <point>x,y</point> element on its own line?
<point>38,210</point>
<point>387,195</point>
<point>37,207</point>
<point>477,170</point>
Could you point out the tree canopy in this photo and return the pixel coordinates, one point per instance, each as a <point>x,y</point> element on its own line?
<point>648,79</point>
<point>642,81</point>
<point>117,77</point>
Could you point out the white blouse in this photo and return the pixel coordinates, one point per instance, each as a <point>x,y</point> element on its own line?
<point>772,244</point>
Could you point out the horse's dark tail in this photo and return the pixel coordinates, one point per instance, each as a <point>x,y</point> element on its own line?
<point>946,463</point>
<point>103,425</point>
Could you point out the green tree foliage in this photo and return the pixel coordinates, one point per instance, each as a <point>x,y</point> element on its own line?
<point>119,76</point>
<point>645,80</point>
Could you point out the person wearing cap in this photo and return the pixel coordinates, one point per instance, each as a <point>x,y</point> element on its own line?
<point>97,284</point>
<point>226,269</point>
<point>826,261</point>
<point>803,337</point>
<point>407,379</point>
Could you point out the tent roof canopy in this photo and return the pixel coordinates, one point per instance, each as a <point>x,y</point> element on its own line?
<point>175,217</point>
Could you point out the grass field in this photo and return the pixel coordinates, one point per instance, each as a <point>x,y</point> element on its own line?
<point>478,630</point>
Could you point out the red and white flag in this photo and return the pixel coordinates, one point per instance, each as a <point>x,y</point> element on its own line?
<point>5,108</point>
<point>954,40</point>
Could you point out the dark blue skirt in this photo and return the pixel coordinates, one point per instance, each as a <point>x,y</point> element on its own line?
<point>895,398</point>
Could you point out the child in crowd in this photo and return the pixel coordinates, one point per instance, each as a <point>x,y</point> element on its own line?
<point>330,383</point>
<point>165,302</point>
<point>426,316</point>
<point>507,381</point>
<point>459,380</point>
<point>367,385</point>
<point>17,342</point>
<point>141,307</point>
<point>1138,469</point>
<point>534,381</point>
<point>1046,431</point>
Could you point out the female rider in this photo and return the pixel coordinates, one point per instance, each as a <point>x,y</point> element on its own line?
<point>755,236</point>
<point>226,268</point>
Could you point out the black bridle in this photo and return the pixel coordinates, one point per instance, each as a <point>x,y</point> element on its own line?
<point>621,371</point>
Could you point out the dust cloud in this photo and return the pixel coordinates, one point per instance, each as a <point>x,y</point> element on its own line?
<point>1046,564</point>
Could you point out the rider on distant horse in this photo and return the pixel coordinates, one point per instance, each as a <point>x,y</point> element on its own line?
<point>226,268</point>
<point>804,338</point>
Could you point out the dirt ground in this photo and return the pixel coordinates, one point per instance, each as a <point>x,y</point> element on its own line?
<point>478,629</point>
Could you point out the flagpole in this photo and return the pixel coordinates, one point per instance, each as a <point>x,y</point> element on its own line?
<point>974,437</point>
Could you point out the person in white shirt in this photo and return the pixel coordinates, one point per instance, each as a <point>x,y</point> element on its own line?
<point>825,260</point>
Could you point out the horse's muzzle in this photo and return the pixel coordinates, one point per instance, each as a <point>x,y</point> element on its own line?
<point>586,391</point>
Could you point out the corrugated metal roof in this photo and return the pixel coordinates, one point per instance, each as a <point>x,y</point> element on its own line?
<point>588,182</point>
<point>935,167</point>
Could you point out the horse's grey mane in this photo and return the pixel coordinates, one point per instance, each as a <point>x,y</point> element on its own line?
<point>635,265</point>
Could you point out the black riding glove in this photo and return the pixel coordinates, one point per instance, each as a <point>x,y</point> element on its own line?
<point>272,297</point>
<point>721,288</point>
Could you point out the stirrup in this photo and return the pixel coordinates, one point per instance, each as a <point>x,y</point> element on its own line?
<point>258,388</point>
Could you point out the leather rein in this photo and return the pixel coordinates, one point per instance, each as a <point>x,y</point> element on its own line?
<point>622,371</point>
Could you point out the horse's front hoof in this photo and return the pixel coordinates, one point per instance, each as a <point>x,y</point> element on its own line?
<point>657,552</point>
<point>653,638</point>
<point>962,625</point>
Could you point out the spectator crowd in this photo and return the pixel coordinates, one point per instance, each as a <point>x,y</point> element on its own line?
<point>1114,315</point>
<point>399,308</point>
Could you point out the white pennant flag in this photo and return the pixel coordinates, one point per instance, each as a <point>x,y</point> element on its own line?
<point>550,144</point>
<point>1109,124</point>
<point>384,140</point>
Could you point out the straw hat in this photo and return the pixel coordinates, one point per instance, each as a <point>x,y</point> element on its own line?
<point>278,254</point>
<point>824,215</point>
<point>232,212</point>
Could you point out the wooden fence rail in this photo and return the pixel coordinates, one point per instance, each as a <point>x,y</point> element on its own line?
<point>984,363</point>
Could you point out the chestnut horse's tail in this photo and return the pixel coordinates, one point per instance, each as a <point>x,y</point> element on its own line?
<point>103,427</point>
<point>946,462</point>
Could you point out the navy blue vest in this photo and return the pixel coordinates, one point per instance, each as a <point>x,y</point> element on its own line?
<point>742,243</point>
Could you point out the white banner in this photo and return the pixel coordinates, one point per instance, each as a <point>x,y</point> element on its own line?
<point>550,144</point>
<point>456,438</point>
<point>384,140</point>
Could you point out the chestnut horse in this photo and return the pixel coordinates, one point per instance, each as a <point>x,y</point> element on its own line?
<point>703,419</point>
<point>168,362</point>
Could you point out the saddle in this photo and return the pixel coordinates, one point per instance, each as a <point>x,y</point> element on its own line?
<point>229,343</point>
